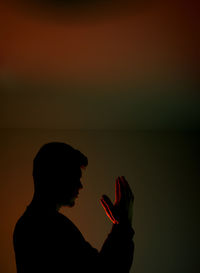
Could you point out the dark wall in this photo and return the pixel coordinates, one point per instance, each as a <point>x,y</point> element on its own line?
<point>162,169</point>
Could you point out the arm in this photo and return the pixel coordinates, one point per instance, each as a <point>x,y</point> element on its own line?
<point>117,252</point>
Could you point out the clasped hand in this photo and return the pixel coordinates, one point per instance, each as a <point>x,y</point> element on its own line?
<point>122,209</point>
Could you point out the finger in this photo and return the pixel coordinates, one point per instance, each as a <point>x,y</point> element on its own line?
<point>127,188</point>
<point>122,189</point>
<point>117,190</point>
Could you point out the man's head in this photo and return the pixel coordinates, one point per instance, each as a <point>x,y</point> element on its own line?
<point>57,172</point>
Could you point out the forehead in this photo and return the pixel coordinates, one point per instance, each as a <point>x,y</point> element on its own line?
<point>75,171</point>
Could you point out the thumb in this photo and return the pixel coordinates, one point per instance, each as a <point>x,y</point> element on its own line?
<point>108,207</point>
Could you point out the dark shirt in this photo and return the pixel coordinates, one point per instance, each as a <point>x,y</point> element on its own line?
<point>47,241</point>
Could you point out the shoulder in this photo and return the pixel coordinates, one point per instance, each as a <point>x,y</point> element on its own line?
<point>67,226</point>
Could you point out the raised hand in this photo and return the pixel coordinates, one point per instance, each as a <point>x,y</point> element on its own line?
<point>122,209</point>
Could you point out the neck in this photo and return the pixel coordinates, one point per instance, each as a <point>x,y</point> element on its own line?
<point>42,201</point>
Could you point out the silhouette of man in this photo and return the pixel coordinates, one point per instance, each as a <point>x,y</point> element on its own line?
<point>47,241</point>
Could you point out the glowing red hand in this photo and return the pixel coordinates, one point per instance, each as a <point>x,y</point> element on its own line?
<point>122,209</point>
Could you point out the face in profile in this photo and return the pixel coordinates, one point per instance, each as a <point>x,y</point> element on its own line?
<point>69,187</point>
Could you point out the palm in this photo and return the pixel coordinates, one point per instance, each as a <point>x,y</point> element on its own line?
<point>122,207</point>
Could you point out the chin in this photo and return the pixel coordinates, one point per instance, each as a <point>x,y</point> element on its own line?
<point>70,203</point>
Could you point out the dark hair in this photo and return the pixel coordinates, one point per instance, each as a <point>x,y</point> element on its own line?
<point>53,158</point>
